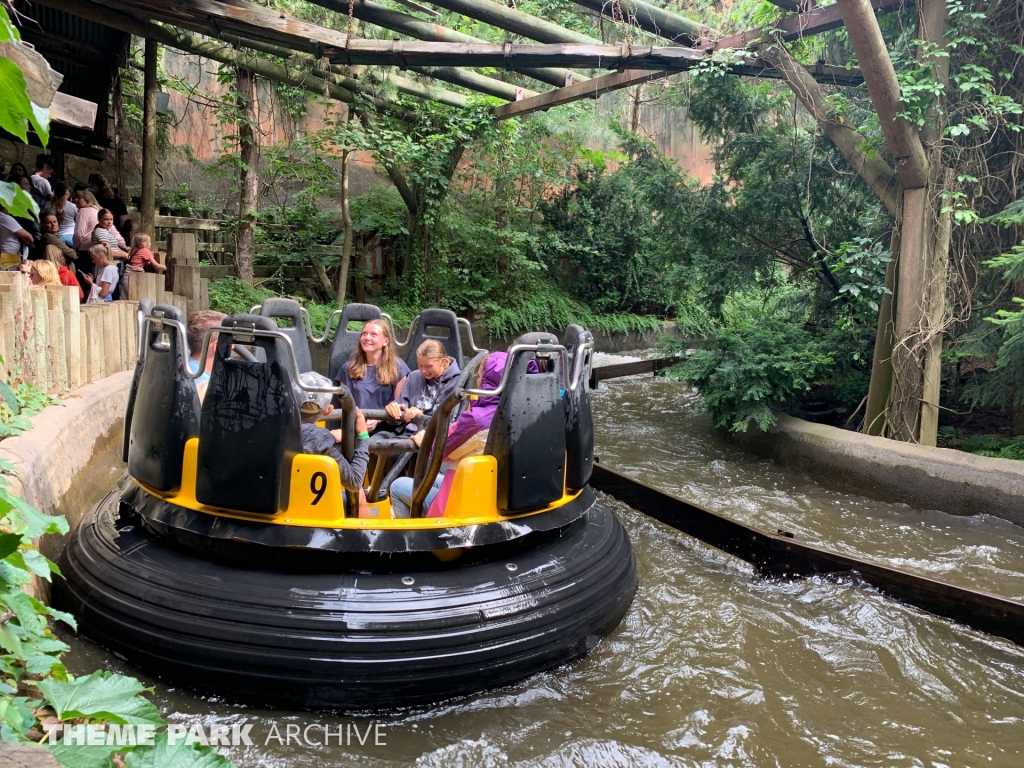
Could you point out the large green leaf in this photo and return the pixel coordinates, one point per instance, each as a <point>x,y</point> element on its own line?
<point>5,391</point>
<point>8,32</point>
<point>9,543</point>
<point>30,522</point>
<point>82,756</point>
<point>101,695</point>
<point>181,755</point>
<point>17,202</point>
<point>15,107</point>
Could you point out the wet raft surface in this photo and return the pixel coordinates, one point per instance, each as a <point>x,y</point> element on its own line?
<point>714,665</point>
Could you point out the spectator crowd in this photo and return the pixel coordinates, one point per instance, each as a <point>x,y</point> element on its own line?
<point>80,237</point>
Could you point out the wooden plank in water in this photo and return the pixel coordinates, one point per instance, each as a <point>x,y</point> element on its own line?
<point>630,369</point>
<point>782,555</point>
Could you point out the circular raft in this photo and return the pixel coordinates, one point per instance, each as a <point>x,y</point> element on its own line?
<point>346,640</point>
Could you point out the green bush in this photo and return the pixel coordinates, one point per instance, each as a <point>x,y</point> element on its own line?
<point>745,370</point>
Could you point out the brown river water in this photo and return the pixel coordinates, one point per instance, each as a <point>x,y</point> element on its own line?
<point>714,665</point>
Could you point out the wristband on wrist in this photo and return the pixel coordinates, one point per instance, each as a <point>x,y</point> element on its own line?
<point>363,436</point>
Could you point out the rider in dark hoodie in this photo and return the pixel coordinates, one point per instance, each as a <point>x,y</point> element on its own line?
<point>427,387</point>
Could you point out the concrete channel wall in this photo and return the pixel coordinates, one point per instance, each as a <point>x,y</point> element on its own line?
<point>925,478</point>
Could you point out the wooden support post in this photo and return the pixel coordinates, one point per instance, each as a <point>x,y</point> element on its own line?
<point>881,362</point>
<point>204,293</point>
<point>111,340</point>
<point>72,336</point>
<point>147,205</point>
<point>40,341</point>
<point>248,181</point>
<point>92,316</point>
<point>56,296</point>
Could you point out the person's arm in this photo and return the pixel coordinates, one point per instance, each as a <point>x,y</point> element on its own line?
<point>104,290</point>
<point>119,239</point>
<point>69,255</point>
<point>25,236</point>
<point>399,387</point>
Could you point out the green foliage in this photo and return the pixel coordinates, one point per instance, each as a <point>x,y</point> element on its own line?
<point>17,112</point>
<point>544,306</point>
<point>233,296</point>
<point>747,369</point>
<point>380,209</point>
<point>34,682</point>
<point>19,404</point>
<point>183,200</point>
<point>614,237</point>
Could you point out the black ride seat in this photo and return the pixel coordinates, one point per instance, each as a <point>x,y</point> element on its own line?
<point>249,430</point>
<point>291,310</point>
<point>345,341</point>
<point>579,420</point>
<point>440,324</point>
<point>145,308</point>
<point>527,438</point>
<point>165,414</point>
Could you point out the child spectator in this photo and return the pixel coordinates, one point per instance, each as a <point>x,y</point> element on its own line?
<point>140,255</point>
<point>426,387</point>
<point>317,440</point>
<point>102,288</point>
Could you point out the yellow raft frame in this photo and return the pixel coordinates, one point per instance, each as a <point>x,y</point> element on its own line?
<point>314,498</point>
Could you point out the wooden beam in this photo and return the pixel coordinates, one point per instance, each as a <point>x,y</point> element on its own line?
<point>795,27</point>
<point>466,78</point>
<point>873,56</point>
<point>590,89</point>
<point>651,18</point>
<point>387,18</point>
<point>511,20</point>
<point>73,111</point>
<point>41,80</point>
<point>513,56</point>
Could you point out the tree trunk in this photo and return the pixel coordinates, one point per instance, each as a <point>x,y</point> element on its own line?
<point>346,215</point>
<point>938,279</point>
<point>875,172</point>
<point>881,361</point>
<point>248,181</point>
<point>634,122</point>
<point>147,203</point>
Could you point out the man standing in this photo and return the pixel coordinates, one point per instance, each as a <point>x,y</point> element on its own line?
<point>41,178</point>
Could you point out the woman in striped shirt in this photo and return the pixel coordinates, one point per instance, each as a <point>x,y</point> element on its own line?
<point>106,233</point>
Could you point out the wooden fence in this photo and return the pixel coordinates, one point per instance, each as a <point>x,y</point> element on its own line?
<point>50,340</point>
<point>181,286</point>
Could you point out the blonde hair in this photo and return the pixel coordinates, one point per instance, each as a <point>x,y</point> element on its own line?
<point>53,254</point>
<point>141,240</point>
<point>89,197</point>
<point>432,349</point>
<point>102,249</point>
<point>46,271</point>
<point>387,368</point>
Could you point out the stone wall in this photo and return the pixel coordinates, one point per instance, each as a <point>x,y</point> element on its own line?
<point>926,478</point>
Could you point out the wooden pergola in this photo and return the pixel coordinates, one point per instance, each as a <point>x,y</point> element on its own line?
<point>319,59</point>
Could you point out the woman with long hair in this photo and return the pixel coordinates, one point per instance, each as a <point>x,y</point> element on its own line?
<point>43,273</point>
<point>55,251</point>
<point>66,212</point>
<point>102,288</point>
<point>374,374</point>
<point>86,219</point>
<point>427,387</point>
